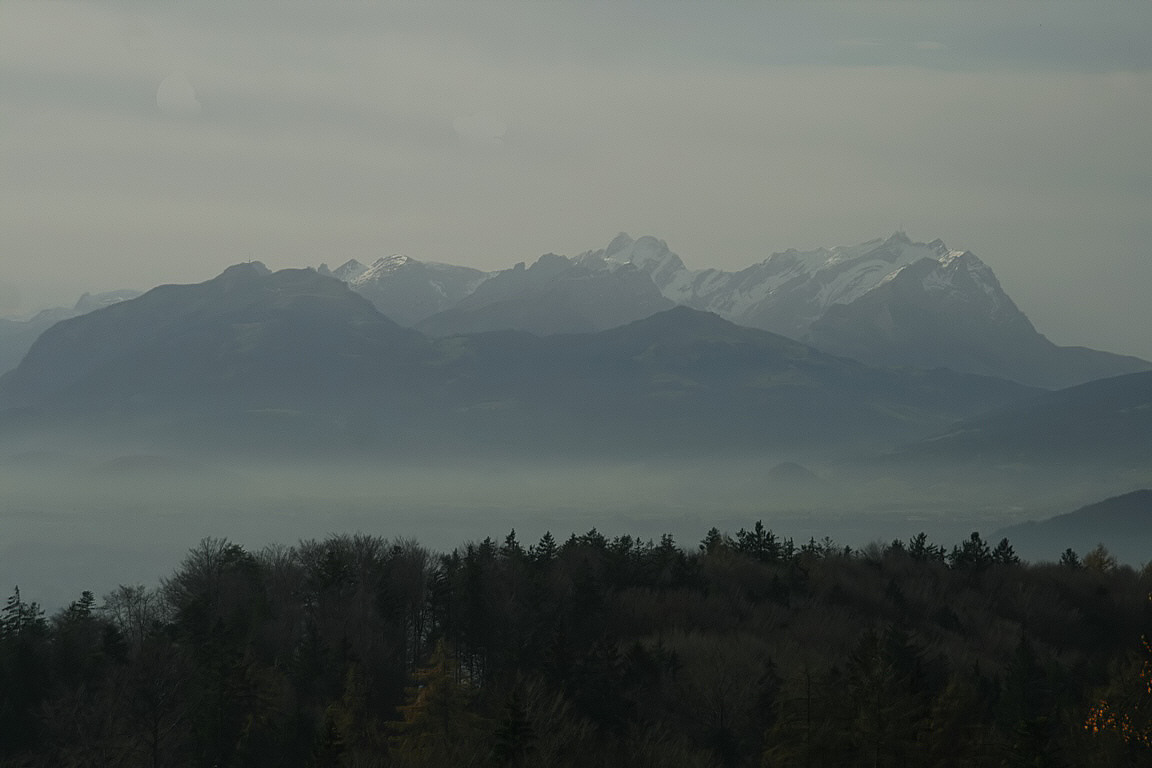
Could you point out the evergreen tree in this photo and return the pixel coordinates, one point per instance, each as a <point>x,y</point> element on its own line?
<point>545,551</point>
<point>714,542</point>
<point>1069,559</point>
<point>759,543</point>
<point>921,550</point>
<point>972,554</point>
<point>1004,554</point>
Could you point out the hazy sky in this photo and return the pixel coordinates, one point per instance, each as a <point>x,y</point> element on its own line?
<point>148,142</point>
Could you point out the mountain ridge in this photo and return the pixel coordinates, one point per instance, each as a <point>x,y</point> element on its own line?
<point>304,352</point>
<point>886,302</point>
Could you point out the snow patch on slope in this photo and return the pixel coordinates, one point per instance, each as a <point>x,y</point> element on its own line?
<point>381,267</point>
<point>799,284</point>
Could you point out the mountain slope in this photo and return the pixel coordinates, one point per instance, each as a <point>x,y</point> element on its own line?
<point>18,336</point>
<point>247,338</point>
<point>1122,523</point>
<point>953,313</point>
<point>684,380</point>
<point>1102,423</point>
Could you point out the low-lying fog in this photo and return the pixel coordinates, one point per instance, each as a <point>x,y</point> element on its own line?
<point>70,523</point>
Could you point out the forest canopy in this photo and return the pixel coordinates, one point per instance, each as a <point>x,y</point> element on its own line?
<point>745,650</point>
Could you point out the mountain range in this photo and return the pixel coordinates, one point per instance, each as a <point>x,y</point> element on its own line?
<point>298,363</point>
<point>871,346</point>
<point>887,302</point>
<point>255,358</point>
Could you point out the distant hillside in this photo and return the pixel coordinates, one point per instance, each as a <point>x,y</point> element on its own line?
<point>1105,422</point>
<point>1122,523</point>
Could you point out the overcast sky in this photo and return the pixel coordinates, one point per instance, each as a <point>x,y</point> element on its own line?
<point>151,142</point>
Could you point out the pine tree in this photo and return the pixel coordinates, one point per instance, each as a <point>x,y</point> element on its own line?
<point>759,543</point>
<point>973,554</point>
<point>544,552</point>
<point>1004,554</point>
<point>714,542</point>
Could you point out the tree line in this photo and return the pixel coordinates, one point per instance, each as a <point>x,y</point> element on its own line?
<point>746,650</point>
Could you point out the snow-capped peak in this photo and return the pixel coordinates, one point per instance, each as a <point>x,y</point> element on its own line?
<point>381,267</point>
<point>845,273</point>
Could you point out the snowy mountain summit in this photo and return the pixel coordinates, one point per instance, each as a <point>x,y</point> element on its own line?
<point>381,267</point>
<point>789,291</point>
<point>889,301</point>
